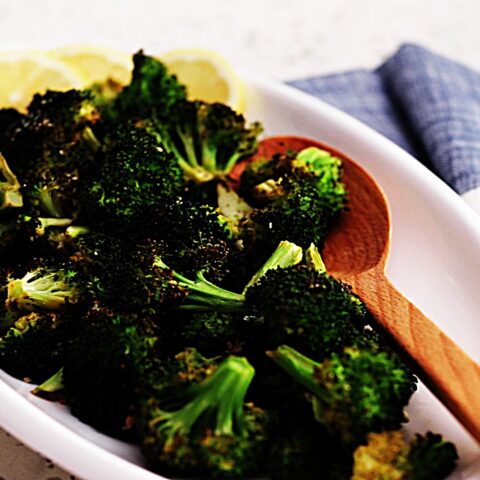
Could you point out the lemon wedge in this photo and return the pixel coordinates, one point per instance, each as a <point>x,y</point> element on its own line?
<point>207,75</point>
<point>96,63</point>
<point>22,74</point>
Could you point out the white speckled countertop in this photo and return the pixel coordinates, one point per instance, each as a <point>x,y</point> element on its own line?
<point>283,39</point>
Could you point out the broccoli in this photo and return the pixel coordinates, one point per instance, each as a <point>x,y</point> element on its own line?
<point>52,150</point>
<point>211,431</point>
<point>35,347</point>
<point>136,179</point>
<point>152,92</point>
<point>296,196</point>
<point>308,309</point>
<point>208,139</point>
<point>117,274</point>
<point>196,237</point>
<point>112,360</point>
<point>387,456</point>
<point>44,289</point>
<point>354,392</point>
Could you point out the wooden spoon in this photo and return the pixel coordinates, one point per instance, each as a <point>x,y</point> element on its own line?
<point>356,252</point>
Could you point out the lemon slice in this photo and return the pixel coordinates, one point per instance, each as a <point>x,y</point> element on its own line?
<point>23,74</point>
<point>97,63</point>
<point>207,75</point>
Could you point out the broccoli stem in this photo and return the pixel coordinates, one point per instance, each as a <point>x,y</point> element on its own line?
<point>48,203</point>
<point>10,195</point>
<point>298,366</point>
<point>75,231</point>
<point>232,161</point>
<point>51,385</point>
<point>196,174</point>
<point>314,260</point>
<point>209,157</point>
<point>287,254</point>
<point>52,222</point>
<point>216,403</point>
<point>204,295</point>
<point>91,139</point>
<point>189,145</point>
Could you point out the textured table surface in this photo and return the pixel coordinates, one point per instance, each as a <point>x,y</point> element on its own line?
<point>278,38</point>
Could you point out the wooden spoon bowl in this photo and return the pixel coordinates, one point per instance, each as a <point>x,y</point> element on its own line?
<point>356,252</point>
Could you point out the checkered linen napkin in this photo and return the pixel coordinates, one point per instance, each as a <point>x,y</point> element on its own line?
<point>427,104</point>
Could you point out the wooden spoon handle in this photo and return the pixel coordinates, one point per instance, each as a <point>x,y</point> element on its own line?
<point>443,366</point>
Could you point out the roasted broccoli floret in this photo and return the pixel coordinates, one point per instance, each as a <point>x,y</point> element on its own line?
<point>208,139</point>
<point>308,309</point>
<point>120,275</point>
<point>137,177</point>
<point>113,358</point>
<point>388,456</point>
<point>52,149</point>
<point>35,347</point>
<point>196,237</point>
<point>354,392</point>
<point>295,196</point>
<point>211,431</point>
<point>152,92</point>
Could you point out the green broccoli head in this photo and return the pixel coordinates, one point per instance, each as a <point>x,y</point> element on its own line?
<point>308,309</point>
<point>123,276</point>
<point>36,346</point>
<point>212,431</point>
<point>430,457</point>
<point>136,179</point>
<point>152,93</point>
<point>52,148</point>
<point>354,392</point>
<point>113,358</point>
<point>388,455</point>
<point>208,139</point>
<point>296,197</point>
<point>196,237</point>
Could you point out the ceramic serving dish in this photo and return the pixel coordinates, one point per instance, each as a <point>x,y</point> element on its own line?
<point>435,262</point>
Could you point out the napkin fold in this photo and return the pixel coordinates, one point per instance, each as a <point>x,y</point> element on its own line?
<point>427,104</point>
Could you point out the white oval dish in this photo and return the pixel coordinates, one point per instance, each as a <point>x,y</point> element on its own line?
<point>435,262</point>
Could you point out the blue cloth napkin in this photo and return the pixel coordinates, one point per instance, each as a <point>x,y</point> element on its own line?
<point>427,104</point>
